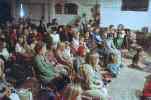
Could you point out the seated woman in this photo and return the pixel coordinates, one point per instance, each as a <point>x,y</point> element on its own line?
<point>60,68</point>
<point>110,48</point>
<point>46,70</point>
<point>67,52</point>
<point>19,48</point>
<point>61,55</point>
<point>76,40</point>
<point>93,78</point>
<point>112,66</point>
<point>55,39</point>
<point>72,92</point>
<point>50,54</point>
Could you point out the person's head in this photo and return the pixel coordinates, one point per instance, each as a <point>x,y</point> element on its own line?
<point>72,92</point>
<point>112,58</point>
<point>111,27</point>
<point>41,22</point>
<point>14,30</point>
<point>93,58</point>
<point>26,32</point>
<point>40,48</point>
<point>21,26</point>
<point>49,46</point>
<point>109,36</point>
<point>21,39</point>
<point>81,41</point>
<point>87,35</point>
<point>60,29</point>
<point>76,34</point>
<point>61,46</point>
<point>67,44</point>
<point>120,27</point>
<point>29,28</point>
<point>127,31</point>
<point>92,29</point>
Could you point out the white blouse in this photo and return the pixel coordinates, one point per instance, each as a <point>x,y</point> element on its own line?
<point>55,39</point>
<point>19,48</point>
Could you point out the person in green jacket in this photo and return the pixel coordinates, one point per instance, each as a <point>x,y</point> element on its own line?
<point>118,41</point>
<point>44,68</point>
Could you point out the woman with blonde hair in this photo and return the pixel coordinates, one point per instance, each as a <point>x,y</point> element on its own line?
<point>72,92</point>
<point>96,87</point>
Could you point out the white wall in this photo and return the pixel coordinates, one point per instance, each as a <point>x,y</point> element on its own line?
<point>37,8</point>
<point>82,8</point>
<point>111,14</point>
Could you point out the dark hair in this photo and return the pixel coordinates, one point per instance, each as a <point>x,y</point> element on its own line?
<point>38,48</point>
<point>2,57</point>
<point>139,50</point>
<point>109,35</point>
<point>111,57</point>
<point>61,26</point>
<point>3,90</point>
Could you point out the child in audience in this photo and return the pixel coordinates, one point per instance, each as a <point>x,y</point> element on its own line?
<point>55,39</point>
<point>93,78</point>
<point>19,48</point>
<point>76,40</point>
<point>67,52</point>
<point>112,65</point>
<point>79,59</point>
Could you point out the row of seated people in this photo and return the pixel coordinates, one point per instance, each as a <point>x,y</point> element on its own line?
<point>59,62</point>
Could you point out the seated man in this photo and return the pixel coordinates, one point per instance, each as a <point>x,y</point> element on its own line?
<point>46,71</point>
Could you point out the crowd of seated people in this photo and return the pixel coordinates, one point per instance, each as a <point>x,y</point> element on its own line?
<point>62,59</point>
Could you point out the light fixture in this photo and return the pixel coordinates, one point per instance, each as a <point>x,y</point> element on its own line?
<point>22,13</point>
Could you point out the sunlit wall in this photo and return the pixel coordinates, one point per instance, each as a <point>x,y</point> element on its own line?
<point>111,14</point>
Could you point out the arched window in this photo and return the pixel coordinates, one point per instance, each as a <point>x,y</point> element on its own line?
<point>58,9</point>
<point>70,8</point>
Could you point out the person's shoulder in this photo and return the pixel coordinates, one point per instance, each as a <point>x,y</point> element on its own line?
<point>37,57</point>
